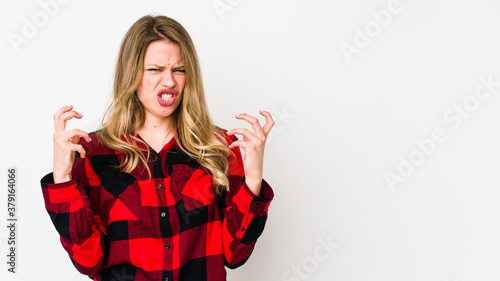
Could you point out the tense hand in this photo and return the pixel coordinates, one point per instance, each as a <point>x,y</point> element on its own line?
<point>66,143</point>
<point>253,143</point>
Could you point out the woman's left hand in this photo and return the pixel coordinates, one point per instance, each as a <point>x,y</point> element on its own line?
<point>253,143</point>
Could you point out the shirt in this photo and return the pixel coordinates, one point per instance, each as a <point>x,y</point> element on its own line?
<point>173,226</point>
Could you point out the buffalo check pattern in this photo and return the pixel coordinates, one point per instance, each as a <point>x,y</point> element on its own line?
<point>126,226</point>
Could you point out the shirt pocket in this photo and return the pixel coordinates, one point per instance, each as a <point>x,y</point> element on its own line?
<point>194,187</point>
<point>120,197</point>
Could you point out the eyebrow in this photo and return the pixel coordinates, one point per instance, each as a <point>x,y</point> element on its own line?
<point>161,66</point>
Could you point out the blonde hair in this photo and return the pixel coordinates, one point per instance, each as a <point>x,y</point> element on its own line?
<point>197,135</point>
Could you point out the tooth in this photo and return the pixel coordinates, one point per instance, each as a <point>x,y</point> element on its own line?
<point>166,96</point>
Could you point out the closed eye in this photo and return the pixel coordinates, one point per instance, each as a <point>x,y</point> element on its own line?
<point>154,69</point>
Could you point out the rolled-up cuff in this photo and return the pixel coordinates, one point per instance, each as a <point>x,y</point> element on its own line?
<point>247,201</point>
<point>60,192</point>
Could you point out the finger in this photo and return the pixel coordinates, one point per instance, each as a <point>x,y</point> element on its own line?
<point>238,143</point>
<point>57,115</point>
<point>246,134</point>
<point>70,114</point>
<point>64,109</point>
<point>254,122</point>
<point>269,122</point>
<point>61,118</point>
<point>79,148</point>
<point>74,136</point>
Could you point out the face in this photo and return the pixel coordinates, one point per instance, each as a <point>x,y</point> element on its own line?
<point>160,91</point>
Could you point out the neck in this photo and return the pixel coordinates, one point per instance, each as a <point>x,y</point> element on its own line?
<point>157,126</point>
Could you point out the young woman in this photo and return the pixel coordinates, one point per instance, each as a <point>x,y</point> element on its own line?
<point>159,192</point>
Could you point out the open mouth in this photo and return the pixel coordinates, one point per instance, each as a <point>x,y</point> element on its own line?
<point>166,97</point>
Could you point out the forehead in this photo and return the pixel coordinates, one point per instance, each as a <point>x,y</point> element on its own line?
<point>163,53</point>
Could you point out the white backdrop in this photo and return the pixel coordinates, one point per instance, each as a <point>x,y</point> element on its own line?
<point>385,154</point>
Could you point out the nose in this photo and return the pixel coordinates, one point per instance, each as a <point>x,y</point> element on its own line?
<point>168,79</point>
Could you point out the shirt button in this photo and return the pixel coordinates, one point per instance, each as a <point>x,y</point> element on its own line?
<point>160,186</point>
<point>167,246</point>
<point>242,229</point>
<point>165,279</point>
<point>253,204</point>
<point>163,214</point>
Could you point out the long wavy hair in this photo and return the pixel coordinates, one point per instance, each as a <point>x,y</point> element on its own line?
<point>197,135</point>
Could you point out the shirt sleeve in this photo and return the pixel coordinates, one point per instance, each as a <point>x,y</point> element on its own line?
<point>75,218</point>
<point>244,214</point>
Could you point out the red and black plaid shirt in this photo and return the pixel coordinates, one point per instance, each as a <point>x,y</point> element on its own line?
<point>125,226</point>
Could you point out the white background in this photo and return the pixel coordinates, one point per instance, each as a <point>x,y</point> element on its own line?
<point>342,123</point>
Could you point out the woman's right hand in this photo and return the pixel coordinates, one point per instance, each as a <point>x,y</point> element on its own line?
<point>66,143</point>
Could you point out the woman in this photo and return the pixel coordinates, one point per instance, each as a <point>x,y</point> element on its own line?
<point>159,192</point>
